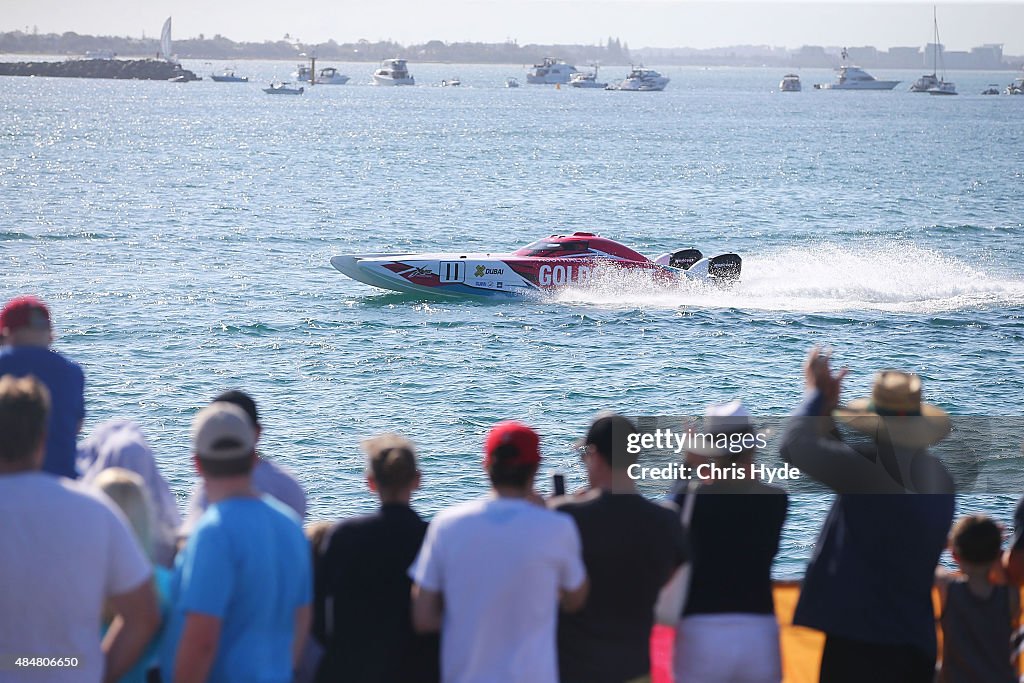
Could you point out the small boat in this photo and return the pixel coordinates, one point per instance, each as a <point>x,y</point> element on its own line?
<point>331,76</point>
<point>511,82</point>
<point>283,88</point>
<point>943,88</point>
<point>855,78</point>
<point>932,83</point>
<point>448,82</point>
<point>550,72</point>
<point>393,72</point>
<point>640,79</point>
<point>547,265</point>
<point>301,73</point>
<point>584,79</point>
<point>1015,88</point>
<point>790,83</point>
<point>992,89</point>
<point>228,76</point>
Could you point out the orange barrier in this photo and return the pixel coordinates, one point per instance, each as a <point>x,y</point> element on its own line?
<point>801,647</point>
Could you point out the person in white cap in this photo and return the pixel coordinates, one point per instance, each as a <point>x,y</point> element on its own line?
<point>869,583</point>
<point>243,590</point>
<point>727,630</point>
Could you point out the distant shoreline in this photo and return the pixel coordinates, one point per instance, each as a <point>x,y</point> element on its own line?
<point>611,52</point>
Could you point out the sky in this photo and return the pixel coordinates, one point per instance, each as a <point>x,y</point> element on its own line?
<point>640,23</point>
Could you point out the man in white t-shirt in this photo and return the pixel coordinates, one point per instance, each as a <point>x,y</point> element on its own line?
<point>65,554</point>
<point>492,573</point>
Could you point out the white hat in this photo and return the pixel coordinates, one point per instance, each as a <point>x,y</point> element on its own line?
<point>721,432</point>
<point>223,431</point>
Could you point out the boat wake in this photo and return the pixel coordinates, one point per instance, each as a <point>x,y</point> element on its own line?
<point>899,278</point>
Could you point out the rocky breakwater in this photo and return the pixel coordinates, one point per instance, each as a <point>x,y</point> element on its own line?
<point>137,69</point>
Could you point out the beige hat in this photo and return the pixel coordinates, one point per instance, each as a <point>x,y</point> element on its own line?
<point>223,431</point>
<point>895,409</point>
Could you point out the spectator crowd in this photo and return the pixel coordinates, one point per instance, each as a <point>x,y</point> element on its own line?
<point>102,580</point>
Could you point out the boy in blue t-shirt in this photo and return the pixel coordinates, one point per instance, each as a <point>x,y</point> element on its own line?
<point>243,582</point>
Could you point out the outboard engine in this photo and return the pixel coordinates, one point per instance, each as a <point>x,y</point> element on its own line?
<point>725,269</point>
<point>685,258</point>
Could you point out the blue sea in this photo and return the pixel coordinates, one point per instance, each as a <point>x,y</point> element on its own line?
<point>182,235</point>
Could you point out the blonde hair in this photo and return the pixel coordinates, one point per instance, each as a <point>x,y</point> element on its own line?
<point>128,491</point>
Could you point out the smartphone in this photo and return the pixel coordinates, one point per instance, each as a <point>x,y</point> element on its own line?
<point>558,483</point>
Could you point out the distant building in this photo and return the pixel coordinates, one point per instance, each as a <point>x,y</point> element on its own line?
<point>863,56</point>
<point>904,57</point>
<point>988,56</point>
<point>812,56</point>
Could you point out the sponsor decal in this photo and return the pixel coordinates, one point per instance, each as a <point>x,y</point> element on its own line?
<point>483,270</point>
<point>555,276</point>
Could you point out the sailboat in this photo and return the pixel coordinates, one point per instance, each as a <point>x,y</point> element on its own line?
<point>931,83</point>
<point>165,43</point>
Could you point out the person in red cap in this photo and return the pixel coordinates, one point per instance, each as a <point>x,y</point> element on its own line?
<point>25,338</point>
<point>492,573</point>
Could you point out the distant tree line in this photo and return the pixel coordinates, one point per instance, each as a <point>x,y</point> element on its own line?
<point>614,51</point>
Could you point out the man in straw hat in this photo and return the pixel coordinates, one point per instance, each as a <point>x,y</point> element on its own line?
<point>868,585</point>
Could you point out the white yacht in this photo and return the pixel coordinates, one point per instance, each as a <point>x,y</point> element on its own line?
<point>855,78</point>
<point>511,82</point>
<point>393,72</point>
<point>550,72</point>
<point>790,83</point>
<point>925,83</point>
<point>931,83</point>
<point>331,76</point>
<point>586,79</point>
<point>641,80</point>
<point>301,73</point>
<point>450,82</point>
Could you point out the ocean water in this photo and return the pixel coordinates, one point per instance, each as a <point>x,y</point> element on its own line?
<point>182,235</point>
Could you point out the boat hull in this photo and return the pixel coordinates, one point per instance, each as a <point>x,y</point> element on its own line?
<point>496,277</point>
<point>873,85</point>
<point>388,80</point>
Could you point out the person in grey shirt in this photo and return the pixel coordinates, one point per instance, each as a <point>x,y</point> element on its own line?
<point>267,477</point>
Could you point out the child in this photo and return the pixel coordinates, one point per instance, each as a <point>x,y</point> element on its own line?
<point>977,616</point>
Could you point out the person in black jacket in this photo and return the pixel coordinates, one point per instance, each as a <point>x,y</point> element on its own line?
<point>868,586</point>
<point>362,590</point>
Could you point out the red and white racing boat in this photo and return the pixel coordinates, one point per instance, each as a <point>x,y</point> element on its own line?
<point>547,264</point>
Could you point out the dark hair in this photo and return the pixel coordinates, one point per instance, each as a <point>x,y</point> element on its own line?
<point>976,539</point>
<point>215,468</point>
<point>609,435</point>
<point>504,471</point>
<point>24,410</point>
<point>243,401</point>
<point>391,461</point>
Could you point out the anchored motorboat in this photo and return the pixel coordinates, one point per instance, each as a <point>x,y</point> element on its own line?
<point>640,79</point>
<point>550,71</point>
<point>852,77</point>
<point>790,83</point>
<point>283,88</point>
<point>393,72</point>
<point>229,76</point>
<point>586,79</point>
